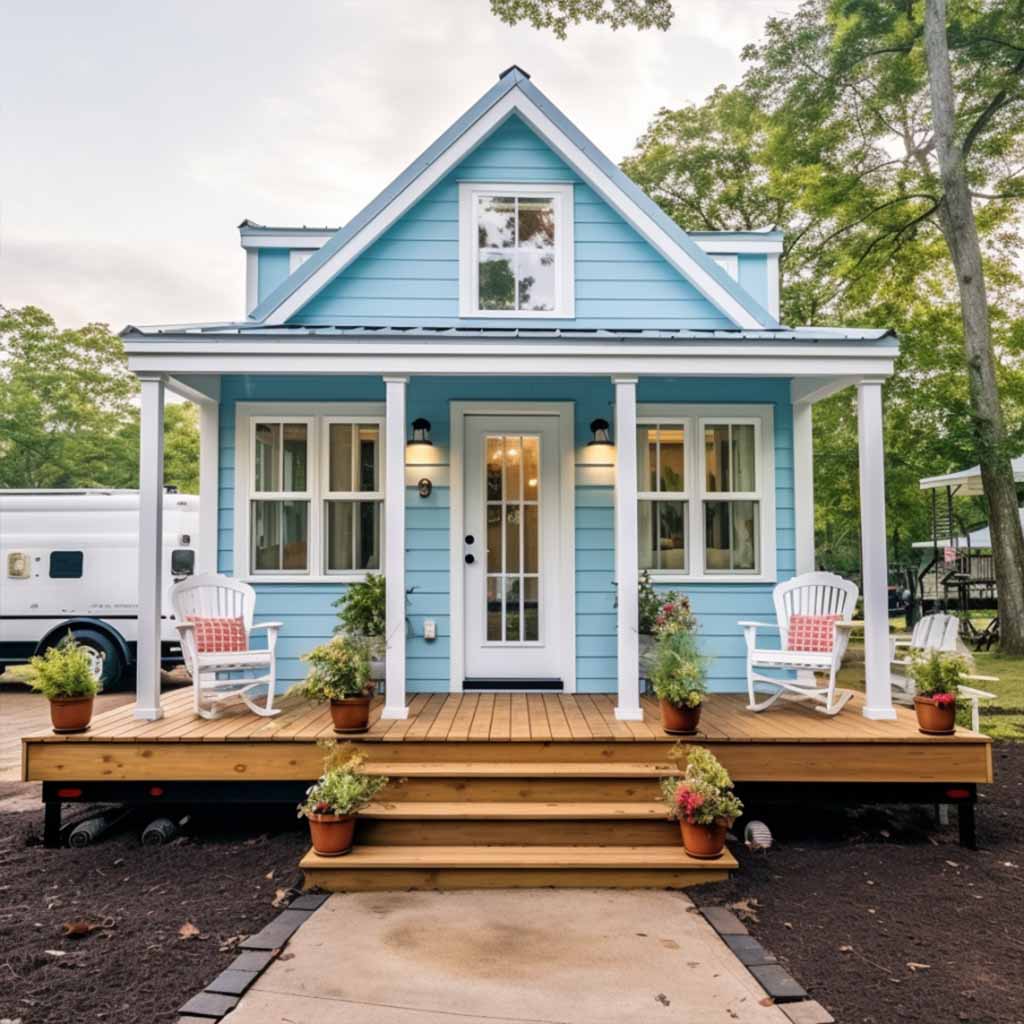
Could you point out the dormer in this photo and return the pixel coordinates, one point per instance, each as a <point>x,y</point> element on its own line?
<point>751,258</point>
<point>273,253</point>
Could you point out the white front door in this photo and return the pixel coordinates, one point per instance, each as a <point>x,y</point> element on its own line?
<point>513,583</point>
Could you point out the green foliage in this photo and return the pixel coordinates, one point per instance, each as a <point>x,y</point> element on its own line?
<point>343,788</point>
<point>678,670</point>
<point>650,603</point>
<point>362,609</point>
<point>705,793</point>
<point>339,668</point>
<point>937,672</point>
<point>68,416</point>
<point>558,15</point>
<point>63,671</point>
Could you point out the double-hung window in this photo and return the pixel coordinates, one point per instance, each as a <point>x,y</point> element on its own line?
<point>516,250</point>
<point>705,491</point>
<point>309,491</point>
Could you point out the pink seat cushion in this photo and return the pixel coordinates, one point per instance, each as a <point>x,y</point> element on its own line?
<point>216,636</point>
<point>812,632</point>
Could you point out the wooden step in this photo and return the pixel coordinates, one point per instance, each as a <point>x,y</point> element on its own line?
<point>379,868</point>
<point>516,810</point>
<point>520,769</point>
<point>542,789</point>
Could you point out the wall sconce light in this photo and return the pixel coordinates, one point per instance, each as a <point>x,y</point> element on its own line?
<point>421,432</point>
<point>599,428</point>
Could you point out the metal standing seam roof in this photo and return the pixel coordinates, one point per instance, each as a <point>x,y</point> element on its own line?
<point>216,331</point>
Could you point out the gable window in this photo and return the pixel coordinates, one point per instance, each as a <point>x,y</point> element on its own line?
<point>515,251</point>
<point>705,492</point>
<point>310,491</point>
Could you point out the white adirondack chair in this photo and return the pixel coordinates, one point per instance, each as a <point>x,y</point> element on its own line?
<point>212,596</point>
<point>814,593</point>
<point>938,632</point>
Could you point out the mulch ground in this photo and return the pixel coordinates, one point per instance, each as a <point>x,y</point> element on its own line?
<point>884,918</point>
<point>879,915</point>
<point>128,908</point>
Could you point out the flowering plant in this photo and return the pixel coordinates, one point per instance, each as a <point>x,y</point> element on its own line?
<point>678,671</point>
<point>938,674</point>
<point>343,789</point>
<point>339,668</point>
<point>704,794</point>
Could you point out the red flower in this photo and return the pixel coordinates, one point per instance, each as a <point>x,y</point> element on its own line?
<point>944,699</point>
<point>667,607</point>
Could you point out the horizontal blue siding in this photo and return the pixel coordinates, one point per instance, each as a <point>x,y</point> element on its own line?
<point>305,609</point>
<point>411,274</point>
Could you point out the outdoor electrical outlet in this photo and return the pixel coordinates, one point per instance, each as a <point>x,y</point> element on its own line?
<point>429,630</point>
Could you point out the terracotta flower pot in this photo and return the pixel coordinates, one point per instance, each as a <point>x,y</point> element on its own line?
<point>679,721</point>
<point>351,714</point>
<point>71,714</point>
<point>705,842</point>
<point>332,834</point>
<point>934,719</point>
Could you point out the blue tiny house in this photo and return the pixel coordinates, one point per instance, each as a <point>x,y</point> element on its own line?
<point>598,393</point>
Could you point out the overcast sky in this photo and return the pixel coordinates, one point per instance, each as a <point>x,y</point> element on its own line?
<point>135,136</point>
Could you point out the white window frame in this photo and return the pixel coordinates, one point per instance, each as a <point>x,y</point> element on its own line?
<point>317,415</point>
<point>469,264</point>
<point>685,495</point>
<point>693,419</point>
<point>326,494</point>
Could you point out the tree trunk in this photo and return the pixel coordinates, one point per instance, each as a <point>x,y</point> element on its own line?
<point>956,216</point>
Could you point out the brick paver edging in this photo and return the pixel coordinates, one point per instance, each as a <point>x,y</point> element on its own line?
<point>221,996</point>
<point>781,986</point>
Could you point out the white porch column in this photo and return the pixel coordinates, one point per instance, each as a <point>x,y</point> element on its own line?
<point>874,558</point>
<point>209,485</point>
<point>803,486</point>
<point>151,529</point>
<point>394,547</point>
<point>626,556</point>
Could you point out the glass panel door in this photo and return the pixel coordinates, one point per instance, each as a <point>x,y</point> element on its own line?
<point>513,492</point>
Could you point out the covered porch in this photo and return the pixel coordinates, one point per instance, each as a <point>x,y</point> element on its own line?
<point>602,372</point>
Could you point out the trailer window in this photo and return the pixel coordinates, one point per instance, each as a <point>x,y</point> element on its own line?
<point>183,562</point>
<point>65,565</point>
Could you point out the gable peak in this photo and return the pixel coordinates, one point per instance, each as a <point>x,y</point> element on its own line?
<point>513,69</point>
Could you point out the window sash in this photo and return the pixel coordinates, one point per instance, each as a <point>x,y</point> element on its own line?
<point>316,496</point>
<point>696,496</point>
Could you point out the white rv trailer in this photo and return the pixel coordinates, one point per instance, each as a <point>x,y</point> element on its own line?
<point>70,562</point>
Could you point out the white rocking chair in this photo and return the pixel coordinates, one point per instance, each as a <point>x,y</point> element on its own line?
<point>219,597</point>
<point>815,593</point>
<point>938,632</point>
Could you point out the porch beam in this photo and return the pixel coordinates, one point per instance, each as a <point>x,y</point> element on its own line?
<point>209,485</point>
<point>394,547</point>
<point>151,529</point>
<point>626,552</point>
<point>874,558</point>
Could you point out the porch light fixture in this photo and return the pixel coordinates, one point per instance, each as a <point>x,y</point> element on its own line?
<point>599,428</point>
<point>421,432</point>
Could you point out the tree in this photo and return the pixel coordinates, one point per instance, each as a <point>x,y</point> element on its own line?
<point>68,412</point>
<point>896,149</point>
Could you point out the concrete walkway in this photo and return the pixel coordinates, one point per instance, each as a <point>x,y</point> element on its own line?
<point>538,956</point>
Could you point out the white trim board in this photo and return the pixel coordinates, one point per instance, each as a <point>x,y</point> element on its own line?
<point>516,102</point>
<point>459,411</point>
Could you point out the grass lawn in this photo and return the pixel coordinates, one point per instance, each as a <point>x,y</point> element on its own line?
<point>1003,718</point>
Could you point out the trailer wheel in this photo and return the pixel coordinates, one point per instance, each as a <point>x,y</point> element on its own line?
<point>106,653</point>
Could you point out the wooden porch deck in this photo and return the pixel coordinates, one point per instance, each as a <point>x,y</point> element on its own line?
<point>789,743</point>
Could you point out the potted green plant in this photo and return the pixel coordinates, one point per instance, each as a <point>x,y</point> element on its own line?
<point>64,675</point>
<point>335,799</point>
<point>678,670</point>
<point>703,803</point>
<point>362,614</point>
<point>937,676</point>
<point>340,673</point>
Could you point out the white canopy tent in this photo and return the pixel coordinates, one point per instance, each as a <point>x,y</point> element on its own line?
<point>967,482</point>
<point>978,539</point>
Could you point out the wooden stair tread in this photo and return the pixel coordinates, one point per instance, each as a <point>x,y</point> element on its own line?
<point>519,769</point>
<point>516,810</point>
<point>671,858</point>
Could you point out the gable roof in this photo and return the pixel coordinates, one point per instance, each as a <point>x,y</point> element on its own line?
<point>513,94</point>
